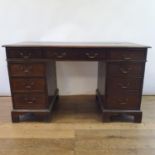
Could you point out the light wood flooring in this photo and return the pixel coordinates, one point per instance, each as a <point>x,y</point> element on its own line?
<point>76,129</point>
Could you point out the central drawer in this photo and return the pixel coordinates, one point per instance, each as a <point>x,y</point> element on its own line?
<point>91,54</point>
<point>74,53</point>
<point>30,101</point>
<point>28,84</point>
<point>59,53</point>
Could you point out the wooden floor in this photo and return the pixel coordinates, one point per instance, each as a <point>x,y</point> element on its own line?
<point>76,129</point>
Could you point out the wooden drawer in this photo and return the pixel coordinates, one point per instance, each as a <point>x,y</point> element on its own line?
<point>28,84</point>
<point>127,54</point>
<point>74,54</point>
<point>126,101</point>
<point>24,53</point>
<point>26,69</point>
<point>118,85</point>
<point>91,54</point>
<point>126,69</point>
<point>59,53</point>
<point>30,101</point>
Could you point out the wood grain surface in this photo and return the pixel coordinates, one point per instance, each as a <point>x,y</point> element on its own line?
<point>76,129</point>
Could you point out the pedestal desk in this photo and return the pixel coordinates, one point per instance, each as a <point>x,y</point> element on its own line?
<point>32,74</point>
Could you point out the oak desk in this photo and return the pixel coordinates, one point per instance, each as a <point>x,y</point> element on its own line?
<point>32,74</point>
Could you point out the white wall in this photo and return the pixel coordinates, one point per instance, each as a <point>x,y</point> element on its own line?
<point>80,20</point>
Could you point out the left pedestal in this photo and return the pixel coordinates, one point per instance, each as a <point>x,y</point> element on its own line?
<point>33,87</point>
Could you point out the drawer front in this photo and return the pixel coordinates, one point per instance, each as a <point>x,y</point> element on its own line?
<point>126,69</point>
<point>128,101</point>
<point>127,54</point>
<point>30,101</point>
<point>59,53</point>
<point>24,53</point>
<point>74,54</point>
<point>121,85</point>
<point>29,69</point>
<point>28,84</point>
<point>91,54</point>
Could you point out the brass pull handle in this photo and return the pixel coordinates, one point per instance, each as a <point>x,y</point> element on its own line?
<point>25,69</point>
<point>25,56</point>
<point>124,87</point>
<point>123,103</point>
<point>30,100</point>
<point>28,85</point>
<point>92,56</point>
<point>62,55</point>
<point>127,58</point>
<point>124,71</point>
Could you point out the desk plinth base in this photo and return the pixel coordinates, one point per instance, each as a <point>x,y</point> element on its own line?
<point>108,114</point>
<point>37,114</point>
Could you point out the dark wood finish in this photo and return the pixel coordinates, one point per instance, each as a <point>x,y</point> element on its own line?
<point>123,84</point>
<point>30,101</point>
<point>125,70</point>
<point>28,84</point>
<point>102,80</point>
<point>127,54</point>
<point>26,53</point>
<point>39,114</point>
<point>74,54</point>
<point>27,69</point>
<point>51,81</point>
<point>108,114</point>
<point>123,101</point>
<point>32,74</point>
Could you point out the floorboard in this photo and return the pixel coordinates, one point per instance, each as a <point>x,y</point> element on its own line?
<point>76,129</point>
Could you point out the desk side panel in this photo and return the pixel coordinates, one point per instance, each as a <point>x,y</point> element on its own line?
<point>102,79</point>
<point>51,79</point>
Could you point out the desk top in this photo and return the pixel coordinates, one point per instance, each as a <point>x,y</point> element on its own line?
<point>78,44</point>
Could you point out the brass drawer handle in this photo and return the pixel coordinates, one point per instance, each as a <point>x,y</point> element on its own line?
<point>91,56</point>
<point>61,55</point>
<point>125,71</point>
<point>127,58</point>
<point>123,86</point>
<point>29,85</point>
<point>25,56</point>
<point>123,103</point>
<point>30,100</point>
<point>25,69</point>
